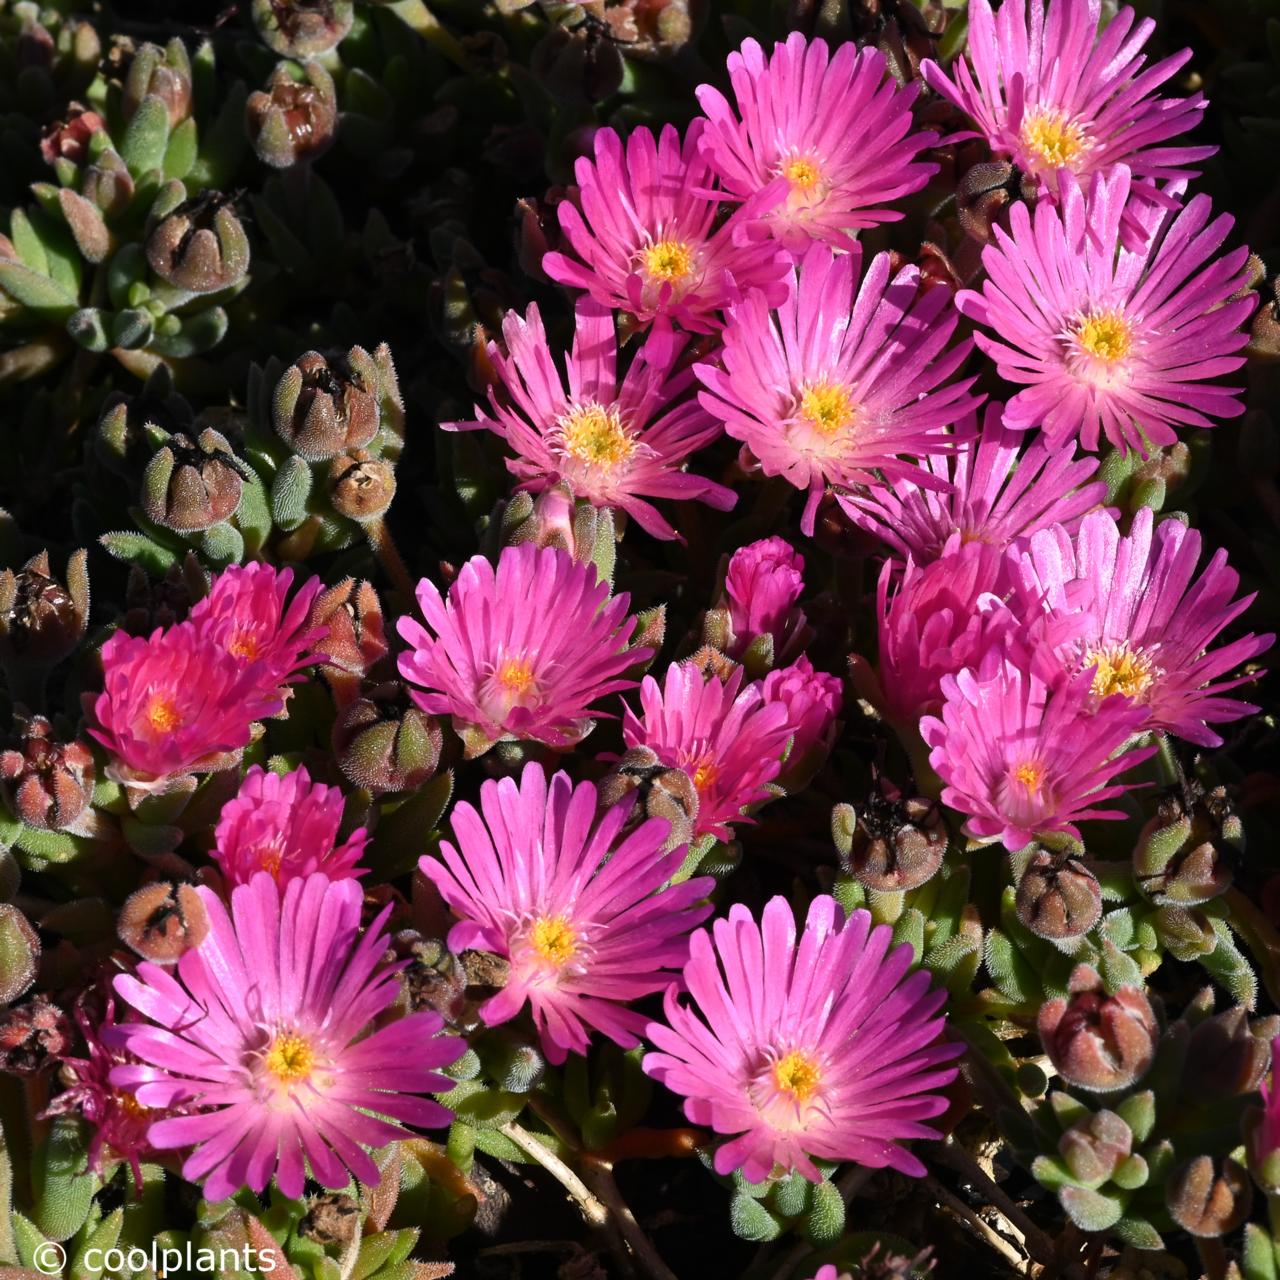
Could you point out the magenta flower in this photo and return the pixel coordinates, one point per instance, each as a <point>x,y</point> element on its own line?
<point>812,699</point>
<point>616,443</point>
<point>1108,340</point>
<point>821,1049</point>
<point>581,912</point>
<point>728,739</point>
<point>522,651</point>
<point>286,826</point>
<point>1063,101</point>
<point>1265,1138</point>
<point>263,1033</point>
<point>1023,758</point>
<point>826,137</point>
<point>646,235</point>
<point>1131,611</point>
<point>993,496</point>
<point>846,380</point>
<point>762,585</point>
<point>938,619</point>
<point>176,702</point>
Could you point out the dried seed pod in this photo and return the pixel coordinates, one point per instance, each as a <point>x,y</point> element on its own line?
<point>361,487</point>
<point>322,406</point>
<point>192,485</point>
<point>890,844</point>
<point>658,792</point>
<point>46,783</point>
<point>1207,1201</point>
<point>33,1036</point>
<point>198,245</point>
<point>163,920</point>
<point>41,619</point>
<point>302,28</point>
<point>1058,896</point>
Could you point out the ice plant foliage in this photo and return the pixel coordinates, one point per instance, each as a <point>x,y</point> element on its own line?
<point>616,441</point>
<point>523,650</point>
<point>263,1036</point>
<point>849,381</point>
<point>823,140</point>
<point>579,909</point>
<point>803,1048</point>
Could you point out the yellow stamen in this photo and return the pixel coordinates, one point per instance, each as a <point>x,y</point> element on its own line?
<point>554,940</point>
<point>595,435</point>
<point>515,675</point>
<point>827,407</point>
<point>129,1104</point>
<point>1120,670</point>
<point>797,1075</point>
<point>1105,335</point>
<point>162,714</point>
<point>1031,774</point>
<point>246,646</point>
<point>802,173</point>
<point>1053,137</point>
<point>704,775</point>
<point>290,1058</point>
<point>669,260</point>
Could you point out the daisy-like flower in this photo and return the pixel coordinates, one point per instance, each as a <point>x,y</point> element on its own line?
<point>1108,340</point>
<point>817,1048</point>
<point>728,739</point>
<point>762,584</point>
<point>286,826</point>
<point>261,1033</point>
<point>522,651</point>
<point>1064,101</point>
<point>1132,612</point>
<point>1024,758</point>
<point>615,442</point>
<point>993,496</point>
<point>845,380</point>
<point>645,235</point>
<point>826,137</point>
<point>541,877</point>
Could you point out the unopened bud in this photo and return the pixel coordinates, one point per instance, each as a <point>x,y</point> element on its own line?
<point>46,783</point>
<point>162,921</point>
<point>983,194</point>
<point>159,73</point>
<point>197,245</point>
<point>579,65</point>
<point>293,121</point>
<point>1264,333</point>
<point>33,1036</point>
<point>1186,853</point>
<point>19,953</point>
<point>189,486</point>
<point>355,639</point>
<point>658,792</point>
<point>1095,1040</point>
<point>1094,1146</point>
<point>385,743</point>
<point>361,486</point>
<point>890,844</point>
<point>1225,1059</point>
<point>1058,896</point>
<point>302,28</point>
<point>1185,932</point>
<point>108,184</point>
<point>652,28</point>
<point>1207,1201</point>
<point>68,139</point>
<point>322,406</point>
<point>42,619</point>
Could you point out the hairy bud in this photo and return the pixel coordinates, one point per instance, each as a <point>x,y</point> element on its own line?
<point>197,245</point>
<point>983,194</point>
<point>42,619</point>
<point>890,844</point>
<point>1094,1146</point>
<point>1225,1059</point>
<point>192,485</point>
<point>19,953</point>
<point>361,486</point>
<point>1207,1201</point>
<point>33,1036</point>
<point>163,920</point>
<point>46,783</point>
<point>385,743</point>
<point>159,73</point>
<point>1186,853</point>
<point>293,120</point>
<point>658,792</point>
<point>355,639</point>
<point>302,28</point>
<point>322,406</point>
<point>1058,896</point>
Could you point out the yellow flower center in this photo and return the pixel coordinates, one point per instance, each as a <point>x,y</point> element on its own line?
<point>827,407</point>
<point>129,1104</point>
<point>595,435</point>
<point>515,675</point>
<point>797,1075</point>
<point>1105,335</point>
<point>704,775</point>
<point>802,173</point>
<point>553,938</point>
<point>245,646</point>
<point>1054,138</point>
<point>1030,773</point>
<point>290,1058</point>
<point>162,714</point>
<point>1120,670</point>
<point>669,260</point>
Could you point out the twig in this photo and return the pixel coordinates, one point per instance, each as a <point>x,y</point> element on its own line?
<point>594,1212</point>
<point>962,1211</point>
<point>599,1173</point>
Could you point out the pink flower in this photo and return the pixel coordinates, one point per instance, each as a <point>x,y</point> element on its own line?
<point>812,699</point>
<point>823,1049</point>
<point>545,880</point>
<point>729,740</point>
<point>1265,1141</point>
<point>993,495</point>
<point>176,702</point>
<point>1131,611</point>
<point>762,585</point>
<point>827,137</point>
<point>939,619</point>
<point>615,442</point>
<point>520,652</point>
<point>1023,758</point>
<point>1108,340</point>
<point>1064,101</point>
<point>263,1032</point>
<point>646,234</point>
<point>286,826</point>
<point>846,377</point>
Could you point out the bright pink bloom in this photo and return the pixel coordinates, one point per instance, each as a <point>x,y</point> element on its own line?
<point>812,699</point>
<point>994,495</point>
<point>1131,611</point>
<point>826,136</point>
<point>522,651</point>
<point>1023,758</point>
<point>546,880</point>
<point>729,740</point>
<point>762,585</point>
<point>263,1032</point>
<point>177,702</point>
<point>940,618</point>
<point>647,237</point>
<point>821,1049</point>
<point>1266,1137</point>
<point>846,380</point>
<point>1064,101</point>
<point>616,443</point>
<point>1108,340</point>
<point>286,826</point>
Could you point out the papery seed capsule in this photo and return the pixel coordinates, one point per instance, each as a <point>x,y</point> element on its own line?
<point>658,791</point>
<point>163,920</point>
<point>322,406</point>
<point>1058,896</point>
<point>33,1035</point>
<point>361,486</point>
<point>199,245</point>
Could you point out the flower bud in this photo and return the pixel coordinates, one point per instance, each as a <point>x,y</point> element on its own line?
<point>1186,853</point>
<point>293,121</point>
<point>983,194</point>
<point>361,486</point>
<point>302,28</point>
<point>1058,896</point>
<point>321,407</point>
<point>1225,1059</point>
<point>47,784</point>
<point>385,743</point>
<point>68,139</point>
<point>160,73</point>
<point>658,792</point>
<point>1094,1146</point>
<point>1185,932</point>
<point>108,184</point>
<point>199,245</point>
<point>433,978</point>
<point>579,65</point>
<point>19,953</point>
<point>163,920</point>
<point>42,620</point>
<point>1206,1201</point>
<point>120,442</point>
<point>33,1036</point>
<point>1096,1040</point>
<point>890,844</point>
<point>350,615</point>
<point>192,486</point>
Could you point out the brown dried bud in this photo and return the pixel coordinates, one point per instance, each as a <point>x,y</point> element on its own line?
<point>658,792</point>
<point>385,743</point>
<point>361,486</point>
<point>41,619</point>
<point>1186,853</point>
<point>68,139</point>
<point>1208,1203</point>
<point>46,783</point>
<point>355,638</point>
<point>332,1218</point>
<point>1058,896</point>
<point>434,978</point>
<point>163,920</point>
<point>189,486</point>
<point>322,406</point>
<point>33,1036</point>
<point>1264,333</point>
<point>1225,1058</point>
<point>983,194</point>
<point>890,844</point>
<point>578,65</point>
<point>654,29</point>
<point>159,73</point>
<point>302,28</point>
<point>294,120</point>
<point>199,245</point>
<point>1095,1040</point>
